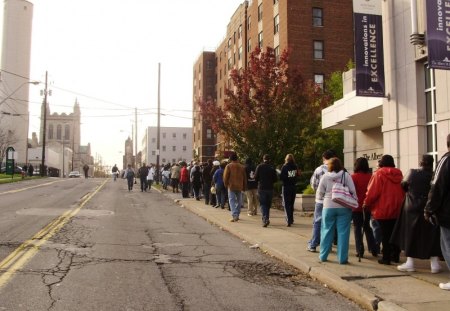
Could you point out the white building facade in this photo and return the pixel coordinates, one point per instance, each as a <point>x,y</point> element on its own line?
<point>175,145</point>
<point>15,65</point>
<point>414,117</point>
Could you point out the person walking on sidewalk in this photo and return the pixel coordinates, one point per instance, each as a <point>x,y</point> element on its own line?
<point>196,180</point>
<point>361,217</point>
<point>235,180</point>
<point>288,176</point>
<point>437,209</point>
<point>412,233</point>
<point>129,175</point>
<point>384,197</point>
<point>334,216</point>
<point>151,176</point>
<point>252,188</point>
<point>143,172</point>
<point>265,176</point>
<point>213,199</point>
<point>314,181</point>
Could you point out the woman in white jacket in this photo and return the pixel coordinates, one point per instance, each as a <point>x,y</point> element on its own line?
<point>334,215</point>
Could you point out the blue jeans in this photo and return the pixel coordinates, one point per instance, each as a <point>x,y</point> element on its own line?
<point>332,219</point>
<point>315,239</point>
<point>235,200</point>
<point>265,202</point>
<point>445,245</point>
<point>289,194</point>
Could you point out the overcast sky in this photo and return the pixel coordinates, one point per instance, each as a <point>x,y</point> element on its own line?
<point>105,53</point>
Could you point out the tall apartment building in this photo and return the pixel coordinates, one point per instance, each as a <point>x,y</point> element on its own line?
<point>413,118</point>
<point>175,145</point>
<point>319,35</point>
<point>15,65</point>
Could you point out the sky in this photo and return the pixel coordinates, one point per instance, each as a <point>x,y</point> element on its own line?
<point>105,54</point>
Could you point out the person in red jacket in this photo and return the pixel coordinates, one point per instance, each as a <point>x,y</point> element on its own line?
<point>184,180</point>
<point>384,197</point>
<point>360,217</point>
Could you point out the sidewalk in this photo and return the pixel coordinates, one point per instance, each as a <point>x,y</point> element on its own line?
<point>373,286</point>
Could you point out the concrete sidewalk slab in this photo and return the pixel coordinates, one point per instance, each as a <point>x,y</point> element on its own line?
<point>373,286</point>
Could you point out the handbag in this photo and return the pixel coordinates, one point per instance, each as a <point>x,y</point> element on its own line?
<point>342,195</point>
<point>213,190</point>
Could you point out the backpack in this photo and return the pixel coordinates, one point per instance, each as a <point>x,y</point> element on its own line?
<point>130,173</point>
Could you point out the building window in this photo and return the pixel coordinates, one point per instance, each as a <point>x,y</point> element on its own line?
<point>153,140</point>
<point>240,53</point>
<point>317,17</point>
<point>164,160</point>
<point>174,148</point>
<point>260,12</point>
<point>230,63</point>
<point>184,148</point>
<point>260,40</point>
<point>208,133</point>
<point>163,135</point>
<point>174,135</point>
<point>50,131</point>
<point>275,2</point>
<point>276,24</point>
<point>249,22</point>
<point>66,132</point>
<point>318,50</point>
<point>163,148</point>
<point>249,45</point>
<point>229,42</point>
<point>184,135</point>
<point>277,54</point>
<point>173,160</point>
<point>318,80</point>
<point>240,32</point>
<point>153,152</point>
<point>58,131</point>
<point>430,103</point>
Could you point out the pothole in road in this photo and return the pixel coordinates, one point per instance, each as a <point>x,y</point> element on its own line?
<point>272,274</point>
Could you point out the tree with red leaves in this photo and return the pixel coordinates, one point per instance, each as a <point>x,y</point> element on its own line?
<point>270,109</point>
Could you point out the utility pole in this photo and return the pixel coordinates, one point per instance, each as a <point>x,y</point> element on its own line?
<point>158,124</point>
<point>44,127</point>
<point>135,137</point>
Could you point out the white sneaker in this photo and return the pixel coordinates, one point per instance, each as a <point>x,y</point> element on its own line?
<point>405,268</point>
<point>436,270</point>
<point>445,286</point>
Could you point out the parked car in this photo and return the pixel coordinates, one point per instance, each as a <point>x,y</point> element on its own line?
<point>17,170</point>
<point>74,174</point>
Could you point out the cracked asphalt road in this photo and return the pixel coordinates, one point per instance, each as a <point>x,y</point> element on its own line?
<point>139,251</point>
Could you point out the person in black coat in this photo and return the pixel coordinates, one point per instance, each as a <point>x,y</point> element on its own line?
<point>288,176</point>
<point>265,176</point>
<point>196,180</point>
<point>207,178</point>
<point>412,233</point>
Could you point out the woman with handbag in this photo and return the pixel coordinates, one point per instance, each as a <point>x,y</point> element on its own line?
<point>334,215</point>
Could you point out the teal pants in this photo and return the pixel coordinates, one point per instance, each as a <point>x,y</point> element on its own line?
<point>340,219</point>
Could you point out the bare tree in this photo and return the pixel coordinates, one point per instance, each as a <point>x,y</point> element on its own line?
<point>7,138</point>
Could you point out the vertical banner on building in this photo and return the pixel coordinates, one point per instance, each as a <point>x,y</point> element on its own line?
<point>438,34</point>
<point>369,58</point>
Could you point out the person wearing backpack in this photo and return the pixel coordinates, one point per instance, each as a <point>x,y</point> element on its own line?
<point>129,175</point>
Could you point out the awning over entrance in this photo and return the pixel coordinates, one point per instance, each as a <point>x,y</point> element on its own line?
<point>354,113</point>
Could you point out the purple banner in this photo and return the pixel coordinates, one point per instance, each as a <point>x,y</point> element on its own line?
<point>438,34</point>
<point>369,55</point>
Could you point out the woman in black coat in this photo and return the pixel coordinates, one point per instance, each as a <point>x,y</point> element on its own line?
<point>412,233</point>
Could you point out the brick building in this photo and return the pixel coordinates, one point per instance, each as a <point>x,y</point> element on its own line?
<point>319,35</point>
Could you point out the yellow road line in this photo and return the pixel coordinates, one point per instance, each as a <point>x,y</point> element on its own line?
<point>27,250</point>
<point>27,188</point>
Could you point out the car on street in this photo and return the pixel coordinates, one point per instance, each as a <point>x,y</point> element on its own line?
<point>74,174</point>
<point>17,170</point>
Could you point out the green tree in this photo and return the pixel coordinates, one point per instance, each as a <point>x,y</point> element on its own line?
<point>270,109</point>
